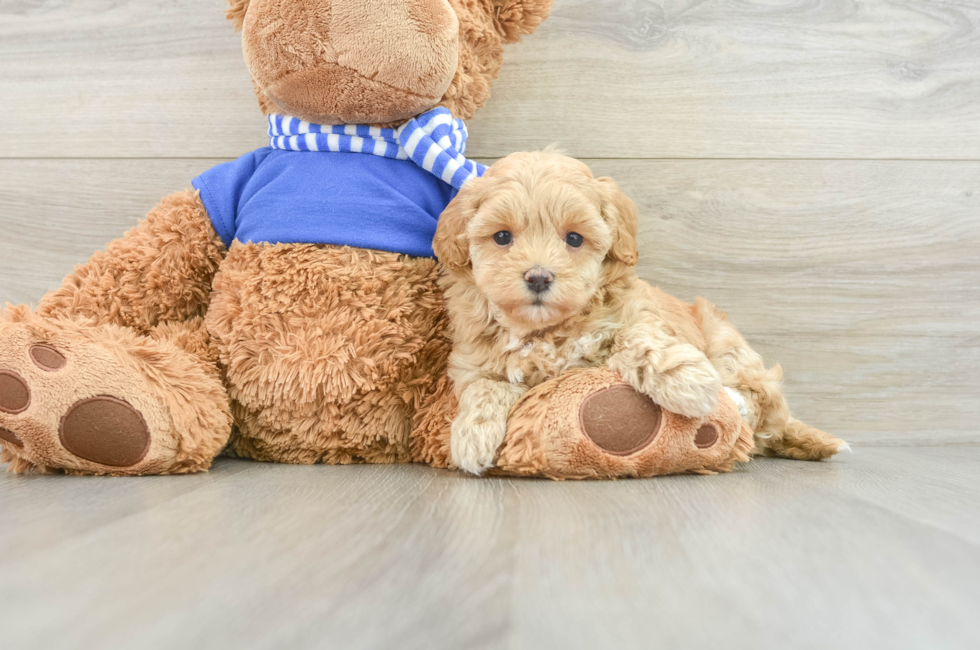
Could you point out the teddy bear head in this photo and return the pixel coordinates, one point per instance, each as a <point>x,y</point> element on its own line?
<point>378,61</point>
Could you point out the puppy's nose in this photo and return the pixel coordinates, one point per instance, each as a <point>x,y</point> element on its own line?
<point>539,279</point>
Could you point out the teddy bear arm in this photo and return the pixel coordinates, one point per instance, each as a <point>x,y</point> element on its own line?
<point>160,271</point>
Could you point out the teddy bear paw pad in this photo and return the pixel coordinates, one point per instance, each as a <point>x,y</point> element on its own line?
<point>620,421</point>
<point>15,395</point>
<point>105,430</point>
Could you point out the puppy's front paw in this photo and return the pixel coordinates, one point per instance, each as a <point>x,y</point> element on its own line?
<point>687,383</point>
<point>474,443</point>
<point>681,379</point>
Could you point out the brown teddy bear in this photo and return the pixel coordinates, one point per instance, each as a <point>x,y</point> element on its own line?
<point>287,308</point>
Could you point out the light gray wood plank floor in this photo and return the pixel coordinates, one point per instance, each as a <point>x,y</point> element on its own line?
<point>879,549</point>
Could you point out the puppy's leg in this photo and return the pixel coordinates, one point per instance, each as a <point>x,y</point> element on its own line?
<point>777,433</point>
<point>677,376</point>
<point>481,423</point>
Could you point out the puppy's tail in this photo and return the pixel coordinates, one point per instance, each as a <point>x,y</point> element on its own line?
<point>777,432</point>
<point>800,441</point>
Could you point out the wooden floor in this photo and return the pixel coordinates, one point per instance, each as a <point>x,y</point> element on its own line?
<point>877,550</point>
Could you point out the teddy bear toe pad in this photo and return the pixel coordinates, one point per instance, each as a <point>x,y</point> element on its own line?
<point>9,436</point>
<point>15,395</point>
<point>706,437</point>
<point>47,358</point>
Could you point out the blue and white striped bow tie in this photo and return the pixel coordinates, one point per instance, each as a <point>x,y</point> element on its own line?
<point>434,141</point>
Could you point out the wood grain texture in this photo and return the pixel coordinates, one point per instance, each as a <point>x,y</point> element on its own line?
<point>605,78</point>
<point>861,278</point>
<point>55,213</point>
<point>778,555</point>
<point>937,485</point>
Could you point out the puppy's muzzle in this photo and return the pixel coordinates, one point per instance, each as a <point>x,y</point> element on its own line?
<point>539,279</point>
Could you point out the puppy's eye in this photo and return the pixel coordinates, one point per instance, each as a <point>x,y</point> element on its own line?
<point>503,238</point>
<point>574,239</point>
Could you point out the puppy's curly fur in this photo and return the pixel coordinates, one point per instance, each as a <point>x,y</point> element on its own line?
<point>539,278</point>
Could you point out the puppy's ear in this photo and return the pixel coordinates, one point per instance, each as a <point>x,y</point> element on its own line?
<point>515,18</point>
<point>236,13</point>
<point>620,213</point>
<point>451,244</point>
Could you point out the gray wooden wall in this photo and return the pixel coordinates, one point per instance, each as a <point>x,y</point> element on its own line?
<point>812,167</point>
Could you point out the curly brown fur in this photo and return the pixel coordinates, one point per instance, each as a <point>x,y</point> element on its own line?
<point>431,425</point>
<point>575,236</point>
<point>328,350</point>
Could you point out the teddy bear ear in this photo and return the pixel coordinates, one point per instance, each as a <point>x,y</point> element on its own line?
<point>515,18</point>
<point>236,12</point>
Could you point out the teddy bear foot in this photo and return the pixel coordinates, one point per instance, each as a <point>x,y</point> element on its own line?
<point>591,424</point>
<point>101,400</point>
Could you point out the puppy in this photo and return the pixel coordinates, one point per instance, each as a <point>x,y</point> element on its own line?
<point>539,278</point>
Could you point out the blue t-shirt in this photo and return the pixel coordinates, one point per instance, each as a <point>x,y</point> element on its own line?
<point>345,199</point>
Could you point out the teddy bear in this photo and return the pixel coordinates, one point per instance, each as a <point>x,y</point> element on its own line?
<point>287,307</point>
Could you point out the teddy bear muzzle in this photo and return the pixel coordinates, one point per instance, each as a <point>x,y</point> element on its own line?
<point>352,61</point>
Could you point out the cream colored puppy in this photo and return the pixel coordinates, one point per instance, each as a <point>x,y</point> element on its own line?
<point>539,277</point>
